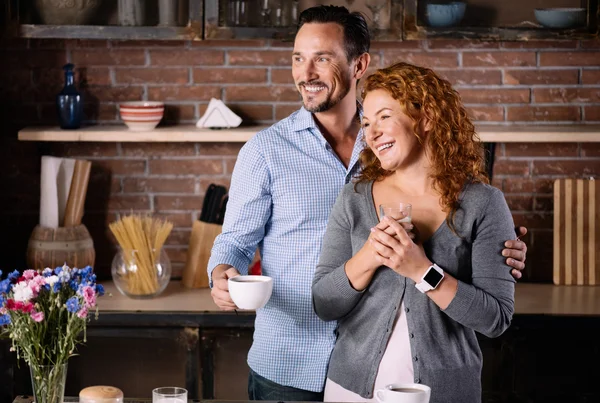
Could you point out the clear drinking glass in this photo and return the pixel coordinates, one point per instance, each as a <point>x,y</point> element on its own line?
<point>169,394</point>
<point>401,212</point>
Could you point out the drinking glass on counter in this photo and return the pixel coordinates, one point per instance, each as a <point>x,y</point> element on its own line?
<point>169,394</point>
<point>401,212</point>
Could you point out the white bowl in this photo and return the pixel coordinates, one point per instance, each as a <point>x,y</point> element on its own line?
<point>250,292</point>
<point>560,17</point>
<point>141,115</point>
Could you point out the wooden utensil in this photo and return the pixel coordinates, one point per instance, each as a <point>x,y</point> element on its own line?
<point>576,232</point>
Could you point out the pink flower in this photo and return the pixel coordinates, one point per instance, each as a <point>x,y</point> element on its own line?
<point>89,296</point>
<point>36,284</point>
<point>82,313</point>
<point>37,316</point>
<point>29,274</point>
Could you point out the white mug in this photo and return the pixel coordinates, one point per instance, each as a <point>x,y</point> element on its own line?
<point>403,393</point>
<point>250,292</point>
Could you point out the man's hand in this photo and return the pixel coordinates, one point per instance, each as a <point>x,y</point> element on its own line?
<point>220,290</point>
<point>516,252</point>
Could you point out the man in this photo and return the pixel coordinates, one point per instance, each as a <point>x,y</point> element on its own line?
<point>284,184</point>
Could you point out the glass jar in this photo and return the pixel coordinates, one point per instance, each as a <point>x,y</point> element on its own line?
<point>141,274</point>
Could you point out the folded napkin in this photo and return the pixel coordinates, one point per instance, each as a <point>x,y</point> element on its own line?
<point>218,115</point>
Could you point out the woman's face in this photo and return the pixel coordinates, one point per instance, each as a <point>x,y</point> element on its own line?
<point>388,131</point>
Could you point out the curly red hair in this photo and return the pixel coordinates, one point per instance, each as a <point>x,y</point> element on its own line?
<point>453,147</point>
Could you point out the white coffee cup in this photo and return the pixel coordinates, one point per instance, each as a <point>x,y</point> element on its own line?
<point>250,292</point>
<point>403,393</point>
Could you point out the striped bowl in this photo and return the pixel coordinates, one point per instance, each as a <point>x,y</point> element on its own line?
<point>141,115</point>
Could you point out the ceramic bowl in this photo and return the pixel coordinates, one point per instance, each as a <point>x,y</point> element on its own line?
<point>141,115</point>
<point>560,17</point>
<point>445,15</point>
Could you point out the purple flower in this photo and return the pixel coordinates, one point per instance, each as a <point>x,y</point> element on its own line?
<point>72,304</point>
<point>47,272</point>
<point>100,289</point>
<point>4,320</point>
<point>5,286</point>
<point>14,275</point>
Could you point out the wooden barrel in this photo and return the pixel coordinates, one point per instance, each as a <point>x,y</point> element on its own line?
<point>53,247</point>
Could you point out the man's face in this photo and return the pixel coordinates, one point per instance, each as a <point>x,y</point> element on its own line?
<point>320,68</point>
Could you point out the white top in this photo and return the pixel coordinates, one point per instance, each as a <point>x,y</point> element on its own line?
<point>395,366</point>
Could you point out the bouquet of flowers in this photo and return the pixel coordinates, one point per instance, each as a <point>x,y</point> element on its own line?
<point>45,315</point>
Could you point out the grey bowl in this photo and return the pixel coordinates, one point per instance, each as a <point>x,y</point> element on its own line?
<point>445,15</point>
<point>560,17</point>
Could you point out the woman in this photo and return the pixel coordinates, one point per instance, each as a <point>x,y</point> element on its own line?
<point>407,310</point>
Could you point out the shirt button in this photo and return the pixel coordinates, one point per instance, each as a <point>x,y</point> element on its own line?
<point>416,359</point>
<point>412,335</point>
<point>418,380</point>
<point>407,310</point>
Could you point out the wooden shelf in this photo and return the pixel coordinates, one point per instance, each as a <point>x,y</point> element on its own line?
<point>108,32</point>
<point>189,133</point>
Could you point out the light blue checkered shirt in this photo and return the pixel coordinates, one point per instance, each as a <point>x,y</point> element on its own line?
<point>285,182</point>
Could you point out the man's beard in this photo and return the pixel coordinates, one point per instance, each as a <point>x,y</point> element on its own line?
<point>329,101</point>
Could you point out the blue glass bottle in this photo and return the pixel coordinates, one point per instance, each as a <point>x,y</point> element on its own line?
<point>68,102</point>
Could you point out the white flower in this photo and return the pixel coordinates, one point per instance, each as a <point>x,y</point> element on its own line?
<point>51,280</point>
<point>22,292</point>
<point>64,276</point>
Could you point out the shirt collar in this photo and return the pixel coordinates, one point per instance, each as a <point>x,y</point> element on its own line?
<point>305,121</point>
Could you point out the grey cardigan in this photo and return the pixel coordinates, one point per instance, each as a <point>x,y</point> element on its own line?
<point>446,355</point>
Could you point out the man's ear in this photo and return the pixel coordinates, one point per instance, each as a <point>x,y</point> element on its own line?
<point>361,65</point>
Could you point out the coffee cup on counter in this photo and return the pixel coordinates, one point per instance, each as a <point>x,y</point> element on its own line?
<point>250,292</point>
<point>403,393</point>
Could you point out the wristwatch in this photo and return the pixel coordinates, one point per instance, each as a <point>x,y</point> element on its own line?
<point>431,279</point>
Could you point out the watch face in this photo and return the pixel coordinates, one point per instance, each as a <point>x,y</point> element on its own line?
<point>433,277</point>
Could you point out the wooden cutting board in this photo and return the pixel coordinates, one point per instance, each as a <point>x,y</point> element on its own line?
<point>576,232</point>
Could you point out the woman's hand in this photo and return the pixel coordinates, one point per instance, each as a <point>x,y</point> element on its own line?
<point>395,249</point>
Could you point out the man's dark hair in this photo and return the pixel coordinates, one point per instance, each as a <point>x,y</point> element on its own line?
<point>356,32</point>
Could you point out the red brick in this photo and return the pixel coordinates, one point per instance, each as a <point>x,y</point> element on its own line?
<point>569,58</point>
<point>204,166</point>
<point>543,186</point>
<point>86,43</point>
<point>461,44</point>
<point>285,110</point>
<point>86,75</point>
<point>168,203</point>
<point>214,149</point>
<point>176,255</point>
<point>486,113</point>
<point>543,113</point>
<point>539,220</point>
<point>37,58</point>
<point>266,94</point>
<point>148,43</point>
<point>128,57</point>
<point>85,149</point>
<point>571,168</point>
<point>196,57</point>
<point>540,45</point>
<point>516,185</point>
<point>429,59</point>
<point>179,220</point>
<point>541,149</point>
<point>590,76</point>
<point>154,76</point>
<point>178,113</point>
<point>230,75</point>
<point>566,95</point>
<point>508,167</point>
<point>397,45</point>
<point>535,77</point>
<point>229,165</point>
<point>113,94</point>
<point>590,149</point>
<point>187,93</point>
<point>158,149</point>
<point>99,112</point>
<point>543,203</point>
<point>590,44</point>
<point>282,76</point>
<point>519,203</point>
<point>501,96</point>
<point>158,185</point>
<point>178,237</point>
<point>591,113</point>
<point>260,58</point>
<point>47,43</point>
<point>121,166</point>
<point>231,43</point>
<point>253,112</point>
<point>472,76</point>
<point>127,203</point>
<point>505,59</point>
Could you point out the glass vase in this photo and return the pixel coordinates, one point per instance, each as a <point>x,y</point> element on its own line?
<point>141,273</point>
<point>48,382</point>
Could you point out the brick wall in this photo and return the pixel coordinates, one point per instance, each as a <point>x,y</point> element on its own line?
<point>530,82</point>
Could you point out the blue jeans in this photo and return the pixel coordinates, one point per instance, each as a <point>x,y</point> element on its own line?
<point>260,388</point>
